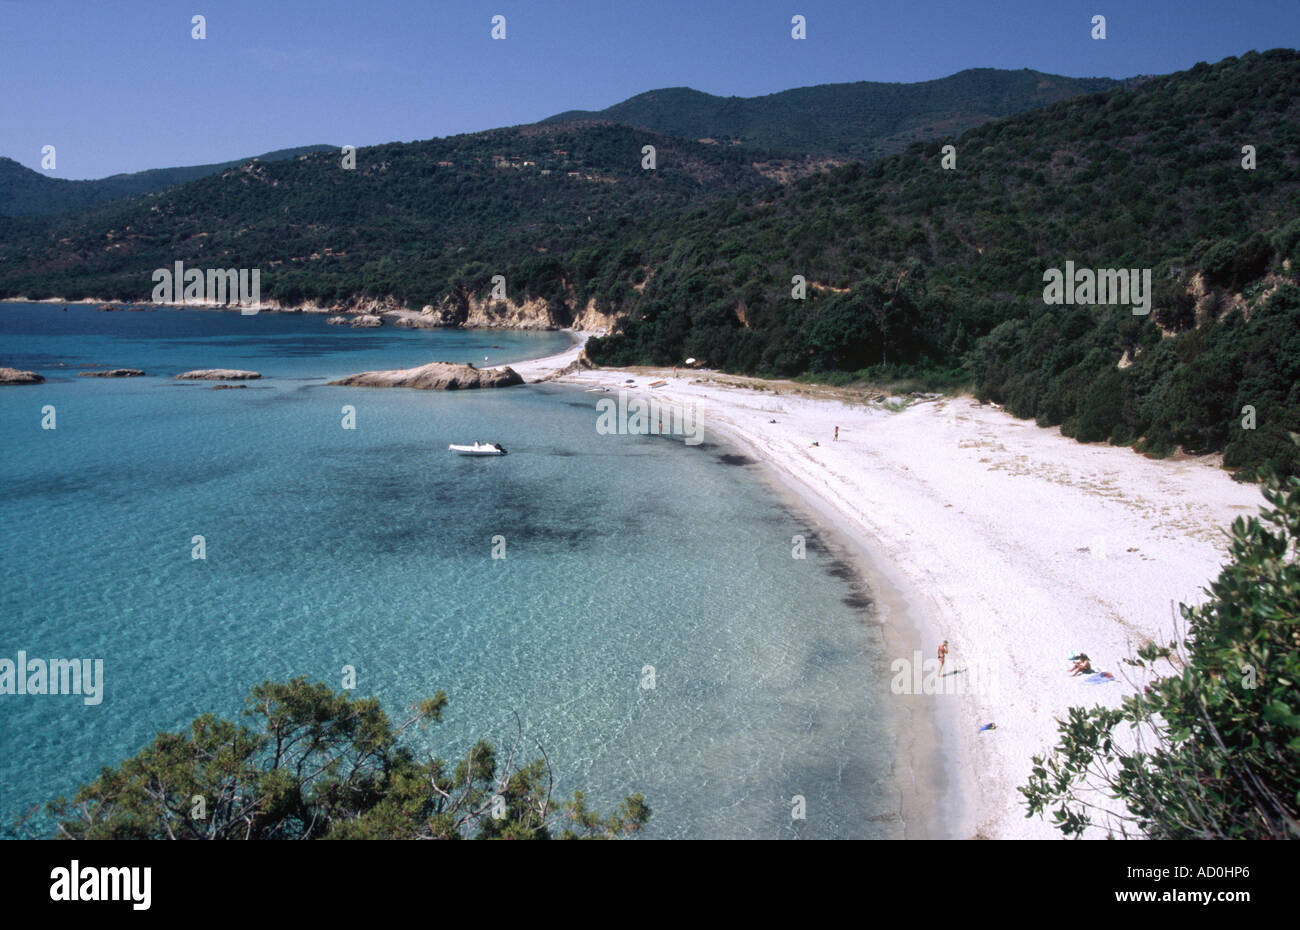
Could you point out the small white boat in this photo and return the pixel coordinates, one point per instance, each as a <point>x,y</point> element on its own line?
<point>479,448</point>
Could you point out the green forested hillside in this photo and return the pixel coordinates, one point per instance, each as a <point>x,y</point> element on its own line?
<point>862,120</point>
<point>24,192</point>
<point>914,269</point>
<point>411,220</point>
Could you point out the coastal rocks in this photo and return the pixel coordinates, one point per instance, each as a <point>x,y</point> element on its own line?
<point>436,376</point>
<point>593,320</point>
<point>581,363</point>
<point>459,309</point>
<point>114,308</point>
<point>463,309</point>
<point>228,387</point>
<point>15,376</point>
<point>113,373</point>
<point>475,312</point>
<point>375,305</point>
<point>359,320</point>
<point>217,374</point>
<point>506,314</point>
<point>426,318</point>
<point>343,312</point>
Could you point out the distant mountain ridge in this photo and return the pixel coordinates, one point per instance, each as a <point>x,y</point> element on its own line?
<point>864,119</point>
<point>24,192</point>
<point>842,121</point>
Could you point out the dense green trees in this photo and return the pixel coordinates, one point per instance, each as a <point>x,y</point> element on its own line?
<point>415,221</point>
<point>323,765</point>
<point>1142,178</point>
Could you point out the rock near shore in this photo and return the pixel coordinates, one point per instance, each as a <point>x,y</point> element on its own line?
<point>360,320</point>
<point>436,376</point>
<point>15,376</point>
<point>113,373</point>
<point>217,374</point>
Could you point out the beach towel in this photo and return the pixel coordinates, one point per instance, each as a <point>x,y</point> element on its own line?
<point>1100,678</point>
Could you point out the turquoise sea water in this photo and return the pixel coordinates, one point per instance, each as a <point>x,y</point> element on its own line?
<point>372,548</point>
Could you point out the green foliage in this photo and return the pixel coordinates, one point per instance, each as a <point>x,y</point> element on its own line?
<point>1232,263</point>
<point>1213,747</point>
<point>323,765</point>
<point>424,222</point>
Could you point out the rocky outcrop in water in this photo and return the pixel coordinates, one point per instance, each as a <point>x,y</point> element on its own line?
<point>14,376</point>
<point>113,373</point>
<point>357,320</point>
<point>436,376</point>
<point>217,374</point>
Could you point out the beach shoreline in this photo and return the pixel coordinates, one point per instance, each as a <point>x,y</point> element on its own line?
<point>934,799</point>
<point>1016,544</point>
<point>549,367</point>
<point>933,803</point>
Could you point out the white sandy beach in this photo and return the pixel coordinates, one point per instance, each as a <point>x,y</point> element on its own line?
<point>1017,545</point>
<point>545,369</point>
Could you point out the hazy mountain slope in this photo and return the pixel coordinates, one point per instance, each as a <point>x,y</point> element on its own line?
<point>861,120</point>
<point>25,192</point>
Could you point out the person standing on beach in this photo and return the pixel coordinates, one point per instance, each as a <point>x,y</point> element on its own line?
<point>837,433</point>
<point>943,654</point>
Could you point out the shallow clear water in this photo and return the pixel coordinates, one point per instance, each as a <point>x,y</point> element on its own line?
<point>372,548</point>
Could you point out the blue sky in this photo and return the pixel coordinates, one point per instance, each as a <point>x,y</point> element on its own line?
<point>120,85</point>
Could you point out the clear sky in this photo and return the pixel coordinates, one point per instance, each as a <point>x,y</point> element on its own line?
<point>120,85</point>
